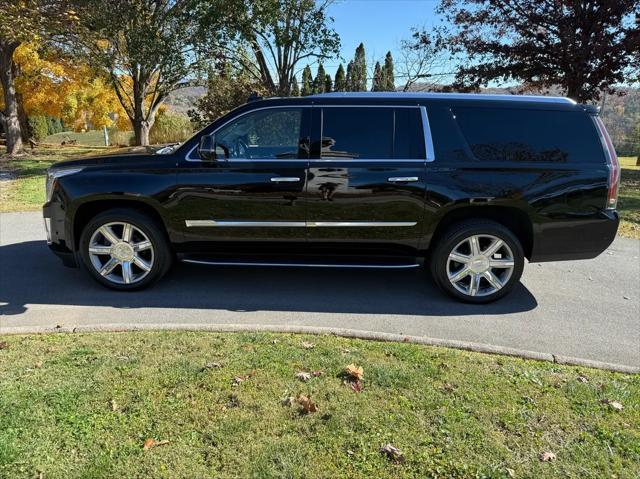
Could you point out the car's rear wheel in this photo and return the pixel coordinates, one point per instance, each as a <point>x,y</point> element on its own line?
<point>477,261</point>
<point>124,249</point>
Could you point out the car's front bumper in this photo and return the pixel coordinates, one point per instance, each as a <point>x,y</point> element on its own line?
<point>57,235</point>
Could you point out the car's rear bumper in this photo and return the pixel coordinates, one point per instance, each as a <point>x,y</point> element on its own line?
<point>575,238</point>
<point>57,235</point>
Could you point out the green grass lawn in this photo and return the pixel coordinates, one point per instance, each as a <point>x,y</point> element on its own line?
<point>629,199</point>
<point>83,406</point>
<point>26,191</point>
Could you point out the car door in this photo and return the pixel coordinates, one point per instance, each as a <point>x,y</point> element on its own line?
<point>252,193</point>
<point>366,182</point>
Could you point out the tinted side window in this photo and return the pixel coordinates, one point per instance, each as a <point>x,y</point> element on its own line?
<point>408,142</point>
<point>529,135</point>
<point>359,133</point>
<point>271,133</point>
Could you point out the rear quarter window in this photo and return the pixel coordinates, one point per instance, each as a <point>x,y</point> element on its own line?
<point>520,135</point>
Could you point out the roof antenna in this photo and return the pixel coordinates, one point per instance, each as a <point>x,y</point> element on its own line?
<point>254,97</point>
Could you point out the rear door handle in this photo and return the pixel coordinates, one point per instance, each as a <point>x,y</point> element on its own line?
<point>285,179</point>
<point>402,179</point>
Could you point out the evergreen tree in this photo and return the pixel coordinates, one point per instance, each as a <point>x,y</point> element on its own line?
<point>341,82</point>
<point>378,79</point>
<point>349,81</point>
<point>306,81</point>
<point>360,69</point>
<point>295,88</point>
<point>328,84</point>
<point>318,83</point>
<point>389,81</point>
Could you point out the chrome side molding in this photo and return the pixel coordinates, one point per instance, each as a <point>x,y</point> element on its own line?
<point>296,224</point>
<point>244,224</point>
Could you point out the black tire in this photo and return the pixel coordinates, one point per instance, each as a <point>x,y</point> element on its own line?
<point>161,251</point>
<point>457,234</point>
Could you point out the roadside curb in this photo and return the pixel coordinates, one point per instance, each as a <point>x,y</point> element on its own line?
<point>347,333</point>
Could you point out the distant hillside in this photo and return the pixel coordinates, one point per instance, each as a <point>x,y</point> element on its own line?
<point>184,99</point>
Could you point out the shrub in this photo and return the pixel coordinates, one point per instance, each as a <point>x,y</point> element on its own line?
<point>38,127</point>
<point>170,128</point>
<point>120,138</point>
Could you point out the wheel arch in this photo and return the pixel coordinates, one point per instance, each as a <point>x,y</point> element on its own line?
<point>89,209</point>
<point>515,219</point>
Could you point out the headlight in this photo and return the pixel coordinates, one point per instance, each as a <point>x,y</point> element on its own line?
<point>54,174</point>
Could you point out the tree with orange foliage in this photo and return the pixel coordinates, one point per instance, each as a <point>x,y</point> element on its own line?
<point>57,86</point>
<point>21,21</point>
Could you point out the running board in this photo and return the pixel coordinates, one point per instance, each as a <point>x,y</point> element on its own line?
<point>301,265</point>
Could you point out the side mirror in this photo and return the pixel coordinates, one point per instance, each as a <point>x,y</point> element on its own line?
<point>207,148</point>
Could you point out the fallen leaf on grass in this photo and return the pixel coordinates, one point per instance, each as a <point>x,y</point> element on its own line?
<point>212,366</point>
<point>511,472</point>
<point>393,453</point>
<point>307,345</point>
<point>547,456</point>
<point>38,365</point>
<point>114,405</point>
<point>356,385</point>
<point>238,379</point>
<point>303,376</point>
<point>354,371</point>
<point>308,406</point>
<point>617,405</point>
<point>4,345</point>
<point>582,379</point>
<point>149,443</point>
<point>288,401</point>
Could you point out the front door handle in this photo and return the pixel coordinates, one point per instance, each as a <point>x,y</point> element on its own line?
<point>285,179</point>
<point>402,179</point>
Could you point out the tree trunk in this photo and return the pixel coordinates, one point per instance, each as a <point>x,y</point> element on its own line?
<point>10,115</point>
<point>141,130</point>
<point>141,126</point>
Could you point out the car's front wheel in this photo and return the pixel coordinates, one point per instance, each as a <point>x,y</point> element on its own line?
<point>477,261</point>
<point>124,249</point>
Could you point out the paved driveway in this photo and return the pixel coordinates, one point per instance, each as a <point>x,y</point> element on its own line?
<point>583,309</point>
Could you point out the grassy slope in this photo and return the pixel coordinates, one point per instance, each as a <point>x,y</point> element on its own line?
<point>27,191</point>
<point>83,405</point>
<point>88,138</point>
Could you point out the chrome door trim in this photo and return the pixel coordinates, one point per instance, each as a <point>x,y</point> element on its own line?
<point>359,224</point>
<point>285,179</point>
<point>402,179</point>
<point>297,224</point>
<point>302,265</point>
<point>245,224</point>
<point>428,139</point>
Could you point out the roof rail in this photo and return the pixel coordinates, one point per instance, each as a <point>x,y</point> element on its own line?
<point>453,96</point>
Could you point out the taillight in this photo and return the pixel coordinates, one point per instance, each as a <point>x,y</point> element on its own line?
<point>612,163</point>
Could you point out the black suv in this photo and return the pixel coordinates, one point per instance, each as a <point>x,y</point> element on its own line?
<point>472,183</point>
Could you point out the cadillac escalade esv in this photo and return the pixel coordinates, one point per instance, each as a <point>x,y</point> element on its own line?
<point>471,184</point>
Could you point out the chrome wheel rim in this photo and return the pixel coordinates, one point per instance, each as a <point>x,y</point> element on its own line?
<point>121,253</point>
<point>480,265</point>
